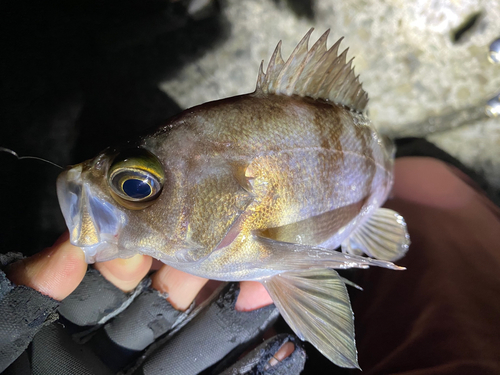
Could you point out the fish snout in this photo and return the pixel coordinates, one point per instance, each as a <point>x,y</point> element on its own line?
<point>94,224</point>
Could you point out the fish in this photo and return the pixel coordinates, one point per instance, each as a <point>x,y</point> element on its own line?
<point>283,185</point>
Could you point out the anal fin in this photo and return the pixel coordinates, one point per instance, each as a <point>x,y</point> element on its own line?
<point>383,236</point>
<point>284,256</point>
<point>315,304</point>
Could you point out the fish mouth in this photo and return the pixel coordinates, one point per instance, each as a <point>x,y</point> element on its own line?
<point>94,224</point>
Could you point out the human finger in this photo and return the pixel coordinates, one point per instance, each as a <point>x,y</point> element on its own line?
<point>181,287</point>
<point>252,296</point>
<point>125,274</point>
<point>280,355</point>
<point>55,271</point>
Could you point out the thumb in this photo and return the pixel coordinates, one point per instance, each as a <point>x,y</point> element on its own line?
<point>55,271</point>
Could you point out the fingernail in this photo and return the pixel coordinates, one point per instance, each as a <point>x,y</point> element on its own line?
<point>181,287</point>
<point>284,351</point>
<point>125,274</point>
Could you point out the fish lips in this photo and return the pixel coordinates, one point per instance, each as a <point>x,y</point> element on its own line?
<point>94,224</point>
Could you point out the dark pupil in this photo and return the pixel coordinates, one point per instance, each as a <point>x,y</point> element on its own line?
<point>136,188</point>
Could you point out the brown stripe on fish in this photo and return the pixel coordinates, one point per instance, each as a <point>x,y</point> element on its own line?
<point>363,135</point>
<point>330,137</point>
<point>388,165</point>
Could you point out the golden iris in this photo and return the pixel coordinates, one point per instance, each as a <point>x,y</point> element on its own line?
<point>136,176</point>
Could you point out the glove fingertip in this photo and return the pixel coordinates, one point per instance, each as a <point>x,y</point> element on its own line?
<point>283,354</point>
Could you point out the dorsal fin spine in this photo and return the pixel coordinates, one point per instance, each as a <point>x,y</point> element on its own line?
<point>319,73</point>
<point>296,58</point>
<point>318,54</point>
<point>338,65</point>
<point>260,78</point>
<point>343,80</point>
<point>312,57</point>
<point>274,66</point>
<point>332,69</point>
<point>353,89</point>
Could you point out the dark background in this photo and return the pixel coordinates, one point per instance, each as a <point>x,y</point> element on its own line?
<point>77,77</point>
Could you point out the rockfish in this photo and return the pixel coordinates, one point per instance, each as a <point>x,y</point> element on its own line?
<point>263,186</point>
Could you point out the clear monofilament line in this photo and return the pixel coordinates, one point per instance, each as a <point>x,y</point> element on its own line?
<point>12,152</point>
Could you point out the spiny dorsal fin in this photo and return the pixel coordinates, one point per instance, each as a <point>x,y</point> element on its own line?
<point>319,73</point>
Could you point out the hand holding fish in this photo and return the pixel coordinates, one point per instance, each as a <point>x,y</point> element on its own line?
<point>127,327</point>
<point>58,270</point>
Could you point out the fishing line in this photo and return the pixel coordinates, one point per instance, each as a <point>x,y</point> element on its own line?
<point>12,152</point>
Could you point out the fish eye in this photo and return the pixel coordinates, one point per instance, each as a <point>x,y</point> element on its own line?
<point>136,177</point>
<point>137,188</point>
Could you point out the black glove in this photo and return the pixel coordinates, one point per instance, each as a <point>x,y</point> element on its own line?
<point>106,331</point>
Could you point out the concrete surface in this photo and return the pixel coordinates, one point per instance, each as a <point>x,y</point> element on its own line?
<point>413,59</point>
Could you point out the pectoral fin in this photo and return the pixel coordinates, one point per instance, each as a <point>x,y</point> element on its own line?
<point>383,236</point>
<point>315,304</point>
<point>315,229</point>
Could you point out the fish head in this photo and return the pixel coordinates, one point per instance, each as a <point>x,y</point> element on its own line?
<point>110,204</point>
<point>154,198</point>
